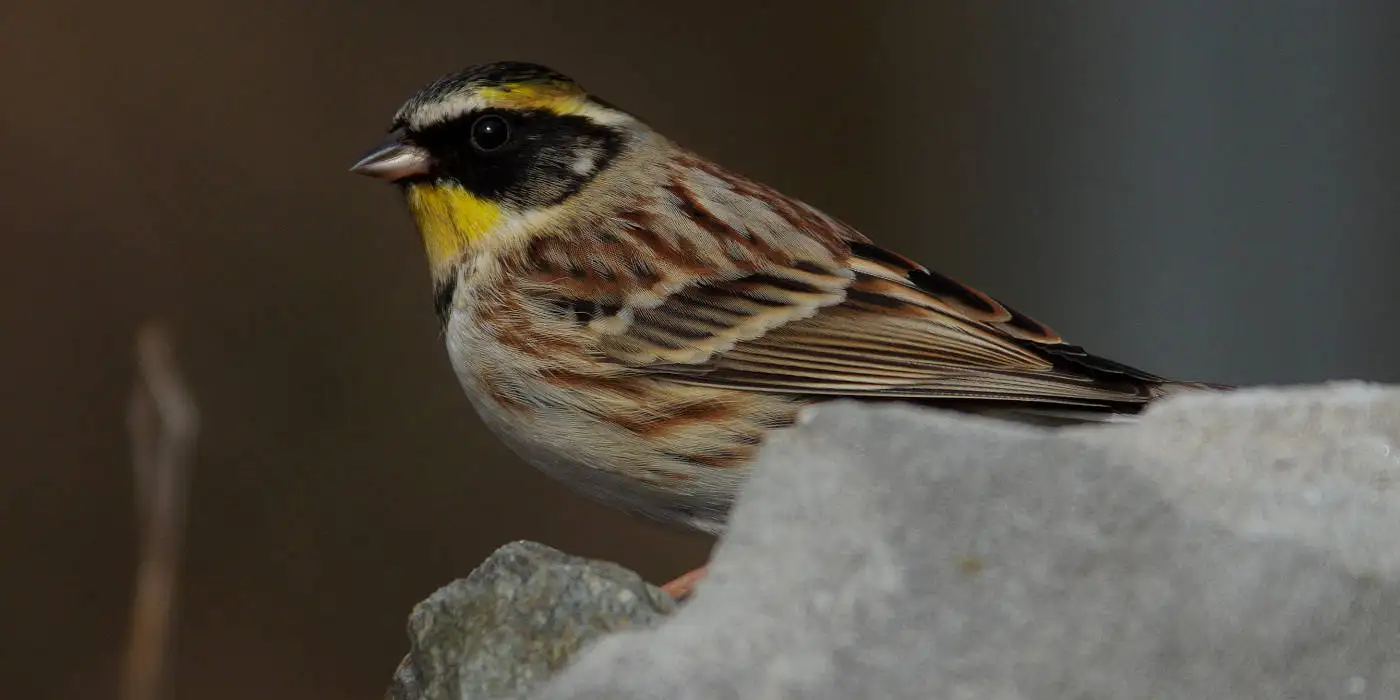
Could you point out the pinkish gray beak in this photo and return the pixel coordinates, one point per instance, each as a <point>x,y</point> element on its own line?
<point>393,159</point>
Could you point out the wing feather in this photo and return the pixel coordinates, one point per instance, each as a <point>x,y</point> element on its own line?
<point>723,282</point>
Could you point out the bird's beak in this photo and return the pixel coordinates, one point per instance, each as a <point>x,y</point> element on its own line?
<point>393,159</point>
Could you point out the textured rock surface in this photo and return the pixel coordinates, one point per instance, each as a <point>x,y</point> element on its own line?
<point>1240,546</point>
<point>515,621</point>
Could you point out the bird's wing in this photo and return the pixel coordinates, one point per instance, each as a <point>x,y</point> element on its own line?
<point>724,282</point>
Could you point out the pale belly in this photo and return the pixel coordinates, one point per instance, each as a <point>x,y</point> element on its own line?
<point>579,449</point>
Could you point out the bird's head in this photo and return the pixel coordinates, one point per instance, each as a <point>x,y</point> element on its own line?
<point>484,152</point>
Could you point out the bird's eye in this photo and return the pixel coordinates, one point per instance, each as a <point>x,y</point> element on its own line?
<point>490,133</point>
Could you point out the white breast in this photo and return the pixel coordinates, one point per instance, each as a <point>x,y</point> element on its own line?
<point>565,443</point>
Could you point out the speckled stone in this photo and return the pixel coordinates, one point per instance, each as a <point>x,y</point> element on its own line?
<point>1242,545</point>
<point>515,621</point>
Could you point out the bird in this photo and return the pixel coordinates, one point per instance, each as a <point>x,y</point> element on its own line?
<point>636,320</point>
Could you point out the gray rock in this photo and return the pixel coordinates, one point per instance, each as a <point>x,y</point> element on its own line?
<point>515,621</point>
<point>1226,546</point>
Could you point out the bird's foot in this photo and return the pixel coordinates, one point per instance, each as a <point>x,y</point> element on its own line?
<point>683,585</point>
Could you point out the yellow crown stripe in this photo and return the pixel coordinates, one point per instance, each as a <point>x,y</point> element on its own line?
<point>559,98</point>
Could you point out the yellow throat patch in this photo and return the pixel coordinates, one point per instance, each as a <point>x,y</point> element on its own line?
<point>451,220</point>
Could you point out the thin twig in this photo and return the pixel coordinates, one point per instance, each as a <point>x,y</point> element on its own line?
<point>163,421</point>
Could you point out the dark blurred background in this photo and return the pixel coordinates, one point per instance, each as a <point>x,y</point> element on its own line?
<point>1204,189</point>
